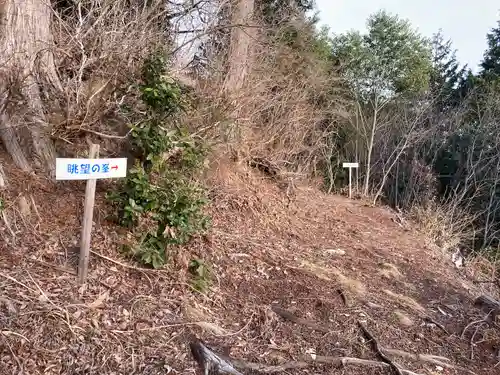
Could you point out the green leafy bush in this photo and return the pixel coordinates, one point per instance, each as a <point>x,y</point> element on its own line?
<point>160,200</point>
<point>159,91</point>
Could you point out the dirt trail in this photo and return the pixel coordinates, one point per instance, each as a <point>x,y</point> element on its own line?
<point>331,263</point>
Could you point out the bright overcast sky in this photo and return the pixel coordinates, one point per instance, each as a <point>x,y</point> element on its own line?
<point>465,22</point>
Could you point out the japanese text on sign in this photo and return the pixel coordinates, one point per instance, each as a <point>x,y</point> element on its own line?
<point>84,169</point>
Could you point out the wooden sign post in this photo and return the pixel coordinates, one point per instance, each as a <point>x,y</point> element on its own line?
<point>91,170</point>
<point>88,215</point>
<point>350,166</point>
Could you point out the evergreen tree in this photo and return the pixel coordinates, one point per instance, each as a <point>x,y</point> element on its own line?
<point>490,66</point>
<point>447,77</point>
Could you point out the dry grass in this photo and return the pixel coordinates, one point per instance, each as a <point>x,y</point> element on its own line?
<point>483,270</point>
<point>403,319</point>
<point>390,271</point>
<point>284,125</point>
<point>356,287</point>
<point>445,225</point>
<point>405,301</point>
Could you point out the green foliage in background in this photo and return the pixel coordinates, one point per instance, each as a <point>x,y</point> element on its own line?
<point>390,59</point>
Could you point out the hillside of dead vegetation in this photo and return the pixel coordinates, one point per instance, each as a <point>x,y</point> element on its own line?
<point>314,284</point>
<point>221,246</point>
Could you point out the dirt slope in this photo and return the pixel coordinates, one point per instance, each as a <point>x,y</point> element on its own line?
<point>331,263</point>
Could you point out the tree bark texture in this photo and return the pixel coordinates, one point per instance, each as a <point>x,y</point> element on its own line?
<point>28,77</point>
<point>239,57</point>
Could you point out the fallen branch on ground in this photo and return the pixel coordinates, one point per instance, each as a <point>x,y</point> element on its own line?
<point>480,321</point>
<point>486,320</point>
<point>377,349</point>
<point>436,323</point>
<point>346,361</point>
<point>213,363</point>
<point>49,265</point>
<point>428,358</point>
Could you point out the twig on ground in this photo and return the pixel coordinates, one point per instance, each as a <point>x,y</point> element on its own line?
<point>127,266</point>
<point>17,282</point>
<point>6,333</point>
<point>124,265</point>
<point>480,321</point>
<point>346,361</point>
<point>155,328</point>
<point>3,178</point>
<point>472,343</point>
<point>238,331</point>
<point>49,265</point>
<point>377,348</point>
<point>343,297</point>
<point>6,221</point>
<point>35,207</point>
<point>437,360</point>
<point>309,361</point>
<point>439,325</point>
<point>103,135</point>
<point>12,352</point>
<point>60,309</point>
<point>434,359</point>
<point>295,319</point>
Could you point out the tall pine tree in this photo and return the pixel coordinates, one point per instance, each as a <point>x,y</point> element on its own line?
<point>490,66</point>
<point>447,76</point>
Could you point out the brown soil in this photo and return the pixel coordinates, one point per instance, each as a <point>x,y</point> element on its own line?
<point>303,257</point>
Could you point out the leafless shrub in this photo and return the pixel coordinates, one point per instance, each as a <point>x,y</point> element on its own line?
<point>287,110</point>
<point>445,224</point>
<point>101,45</point>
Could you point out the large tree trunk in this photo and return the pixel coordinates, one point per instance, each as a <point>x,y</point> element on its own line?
<point>27,78</point>
<point>240,45</point>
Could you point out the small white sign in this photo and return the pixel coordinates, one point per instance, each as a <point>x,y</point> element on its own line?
<point>89,169</point>
<point>350,165</point>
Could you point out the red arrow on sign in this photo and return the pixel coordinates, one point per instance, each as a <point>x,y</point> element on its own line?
<point>114,167</point>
